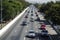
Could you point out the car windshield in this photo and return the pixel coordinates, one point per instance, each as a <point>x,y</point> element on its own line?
<point>31,32</point>
<point>45,31</point>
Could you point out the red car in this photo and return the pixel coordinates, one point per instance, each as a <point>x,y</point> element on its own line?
<point>43,25</point>
<point>43,28</point>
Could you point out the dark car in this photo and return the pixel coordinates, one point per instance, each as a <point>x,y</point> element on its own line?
<point>38,18</point>
<point>28,11</point>
<point>31,14</point>
<point>36,15</point>
<point>35,12</point>
<point>31,11</point>
<point>44,33</point>
<point>42,28</point>
<point>31,20</point>
<point>26,16</point>
<point>24,23</point>
<point>31,34</point>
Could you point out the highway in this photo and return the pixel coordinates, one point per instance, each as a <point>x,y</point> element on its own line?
<point>19,31</point>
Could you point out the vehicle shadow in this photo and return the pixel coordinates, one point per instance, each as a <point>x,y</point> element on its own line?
<point>49,37</point>
<point>45,22</point>
<point>55,37</point>
<point>23,24</point>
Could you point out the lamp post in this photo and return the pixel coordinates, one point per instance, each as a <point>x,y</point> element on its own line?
<point>1,13</point>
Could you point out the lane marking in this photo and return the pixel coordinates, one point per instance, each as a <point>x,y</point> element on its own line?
<point>17,26</point>
<point>26,26</point>
<point>26,30</point>
<point>37,31</point>
<point>15,31</point>
<point>24,38</point>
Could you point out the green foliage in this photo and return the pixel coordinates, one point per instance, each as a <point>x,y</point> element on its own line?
<point>11,8</point>
<point>52,11</point>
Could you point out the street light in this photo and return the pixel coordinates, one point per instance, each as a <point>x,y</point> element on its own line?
<point>1,13</point>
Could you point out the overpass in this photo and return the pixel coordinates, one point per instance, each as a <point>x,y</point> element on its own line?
<point>16,31</point>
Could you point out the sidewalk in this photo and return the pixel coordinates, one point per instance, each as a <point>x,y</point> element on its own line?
<point>51,30</point>
<point>48,26</point>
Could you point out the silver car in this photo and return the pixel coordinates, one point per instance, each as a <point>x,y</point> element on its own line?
<point>31,34</point>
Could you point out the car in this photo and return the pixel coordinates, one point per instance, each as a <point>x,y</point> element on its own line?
<point>26,16</point>
<point>42,28</point>
<point>38,19</point>
<point>36,15</point>
<point>44,33</point>
<point>31,21</point>
<point>28,11</point>
<point>24,23</point>
<point>31,11</point>
<point>31,18</point>
<point>43,25</point>
<point>31,14</point>
<point>31,34</point>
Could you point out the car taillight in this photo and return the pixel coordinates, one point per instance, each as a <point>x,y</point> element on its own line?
<point>43,26</point>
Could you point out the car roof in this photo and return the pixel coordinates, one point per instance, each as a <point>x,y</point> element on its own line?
<point>31,30</point>
<point>43,24</point>
<point>44,31</point>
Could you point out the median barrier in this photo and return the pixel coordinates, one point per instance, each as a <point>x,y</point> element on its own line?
<point>8,28</point>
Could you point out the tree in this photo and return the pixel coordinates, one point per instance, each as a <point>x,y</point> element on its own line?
<point>12,7</point>
<point>52,11</point>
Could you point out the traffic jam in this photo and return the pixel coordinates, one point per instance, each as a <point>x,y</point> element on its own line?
<point>43,35</point>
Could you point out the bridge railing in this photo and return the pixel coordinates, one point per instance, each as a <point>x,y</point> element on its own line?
<point>8,28</point>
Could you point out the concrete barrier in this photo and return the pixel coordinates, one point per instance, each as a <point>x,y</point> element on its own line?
<point>8,28</point>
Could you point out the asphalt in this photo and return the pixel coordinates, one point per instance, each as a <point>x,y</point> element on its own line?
<point>19,31</point>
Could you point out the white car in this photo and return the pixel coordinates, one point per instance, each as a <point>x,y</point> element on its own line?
<point>31,34</point>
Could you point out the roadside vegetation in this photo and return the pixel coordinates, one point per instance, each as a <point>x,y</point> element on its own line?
<point>51,11</point>
<point>10,9</point>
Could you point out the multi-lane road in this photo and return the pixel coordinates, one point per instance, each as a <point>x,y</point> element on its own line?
<point>19,31</point>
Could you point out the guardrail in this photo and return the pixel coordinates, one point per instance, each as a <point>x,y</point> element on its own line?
<point>8,28</point>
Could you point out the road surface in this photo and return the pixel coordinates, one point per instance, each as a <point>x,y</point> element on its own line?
<point>19,31</point>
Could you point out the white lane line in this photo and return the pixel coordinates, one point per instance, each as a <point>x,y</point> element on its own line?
<point>26,26</point>
<point>24,38</point>
<point>15,31</point>
<point>37,31</point>
<point>26,30</point>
